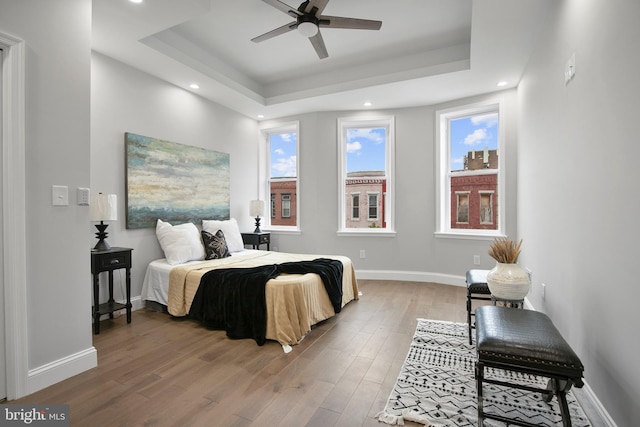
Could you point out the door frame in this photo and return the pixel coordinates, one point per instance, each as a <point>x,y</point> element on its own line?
<point>14,279</point>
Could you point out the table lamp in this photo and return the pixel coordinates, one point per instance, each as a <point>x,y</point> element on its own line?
<point>256,209</point>
<point>104,207</point>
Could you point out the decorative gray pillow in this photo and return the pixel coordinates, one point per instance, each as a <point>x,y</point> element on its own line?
<point>215,245</point>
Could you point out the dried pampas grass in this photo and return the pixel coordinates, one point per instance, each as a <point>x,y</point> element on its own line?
<point>505,250</point>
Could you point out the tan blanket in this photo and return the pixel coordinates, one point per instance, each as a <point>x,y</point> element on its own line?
<point>295,302</point>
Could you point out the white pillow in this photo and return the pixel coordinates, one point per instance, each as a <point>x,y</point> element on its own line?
<point>180,243</point>
<point>229,228</point>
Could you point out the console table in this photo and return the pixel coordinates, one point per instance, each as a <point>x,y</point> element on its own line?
<point>110,260</point>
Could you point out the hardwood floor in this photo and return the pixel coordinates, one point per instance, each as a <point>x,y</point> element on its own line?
<point>159,371</point>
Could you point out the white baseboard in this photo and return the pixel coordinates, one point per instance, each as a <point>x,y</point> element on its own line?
<point>586,393</point>
<point>61,369</point>
<point>411,276</point>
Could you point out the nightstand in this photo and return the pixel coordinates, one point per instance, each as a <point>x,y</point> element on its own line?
<point>256,239</point>
<point>110,260</point>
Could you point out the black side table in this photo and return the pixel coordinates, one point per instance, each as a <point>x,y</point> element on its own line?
<point>110,260</point>
<point>257,239</point>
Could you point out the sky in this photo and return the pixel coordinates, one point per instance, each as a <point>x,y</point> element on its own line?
<point>283,154</point>
<point>472,133</point>
<point>366,146</point>
<point>366,149</point>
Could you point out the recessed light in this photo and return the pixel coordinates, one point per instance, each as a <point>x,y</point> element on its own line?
<point>367,104</point>
<point>194,86</point>
<point>261,116</point>
<point>502,83</point>
<point>135,1</point>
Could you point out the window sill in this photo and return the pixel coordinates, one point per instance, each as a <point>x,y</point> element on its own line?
<point>366,233</point>
<point>468,235</point>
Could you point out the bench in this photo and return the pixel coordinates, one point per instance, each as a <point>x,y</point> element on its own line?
<point>524,341</point>
<point>477,289</point>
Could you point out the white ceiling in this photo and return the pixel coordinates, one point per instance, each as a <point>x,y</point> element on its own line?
<point>427,51</point>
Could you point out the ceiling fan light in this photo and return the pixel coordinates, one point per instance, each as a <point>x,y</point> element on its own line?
<point>308,29</point>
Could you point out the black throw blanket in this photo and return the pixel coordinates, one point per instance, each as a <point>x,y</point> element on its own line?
<point>233,299</point>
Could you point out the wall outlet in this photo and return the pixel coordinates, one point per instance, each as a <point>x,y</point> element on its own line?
<point>83,196</point>
<point>363,253</point>
<point>476,260</point>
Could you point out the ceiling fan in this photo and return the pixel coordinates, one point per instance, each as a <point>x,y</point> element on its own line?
<point>309,20</point>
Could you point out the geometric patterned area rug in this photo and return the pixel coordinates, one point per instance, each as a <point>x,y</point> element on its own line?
<point>437,387</point>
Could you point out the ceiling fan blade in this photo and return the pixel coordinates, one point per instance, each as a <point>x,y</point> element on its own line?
<point>349,23</point>
<point>280,30</point>
<point>318,45</point>
<point>318,4</point>
<point>291,11</point>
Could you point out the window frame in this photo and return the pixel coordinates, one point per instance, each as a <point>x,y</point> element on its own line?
<point>285,200</point>
<point>355,206</point>
<point>264,172</point>
<point>491,194</point>
<point>345,123</point>
<point>376,195</point>
<point>459,195</point>
<point>444,174</point>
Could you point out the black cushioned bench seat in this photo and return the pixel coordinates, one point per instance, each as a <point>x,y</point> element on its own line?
<point>525,341</point>
<point>477,289</point>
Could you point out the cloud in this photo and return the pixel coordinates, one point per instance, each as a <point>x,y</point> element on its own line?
<point>285,166</point>
<point>372,134</point>
<point>353,147</point>
<point>488,120</point>
<point>476,137</point>
<point>279,151</point>
<point>288,137</point>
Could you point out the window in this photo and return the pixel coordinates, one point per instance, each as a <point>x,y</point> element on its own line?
<point>286,206</point>
<point>273,205</point>
<point>486,207</point>
<point>462,208</point>
<point>355,206</point>
<point>366,150</point>
<point>470,168</point>
<point>373,207</point>
<point>279,175</point>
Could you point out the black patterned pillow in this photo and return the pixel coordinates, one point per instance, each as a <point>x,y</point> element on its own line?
<point>215,245</point>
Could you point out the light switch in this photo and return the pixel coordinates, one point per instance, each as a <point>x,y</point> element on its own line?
<point>83,196</point>
<point>60,195</point>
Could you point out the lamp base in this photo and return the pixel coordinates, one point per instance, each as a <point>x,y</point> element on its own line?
<point>257,230</point>
<point>102,244</point>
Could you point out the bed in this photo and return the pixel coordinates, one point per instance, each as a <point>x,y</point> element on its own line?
<point>294,302</point>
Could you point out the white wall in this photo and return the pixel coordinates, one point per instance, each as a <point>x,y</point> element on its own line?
<point>57,38</point>
<point>577,186</point>
<point>415,253</point>
<point>127,100</point>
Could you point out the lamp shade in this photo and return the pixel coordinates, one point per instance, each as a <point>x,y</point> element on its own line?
<point>256,208</point>
<point>104,207</point>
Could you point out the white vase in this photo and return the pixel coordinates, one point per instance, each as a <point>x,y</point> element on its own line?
<point>508,281</point>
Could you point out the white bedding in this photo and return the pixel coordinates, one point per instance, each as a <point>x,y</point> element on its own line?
<point>295,302</point>
<point>155,286</point>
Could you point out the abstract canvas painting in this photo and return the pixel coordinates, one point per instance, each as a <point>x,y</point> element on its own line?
<point>174,182</point>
